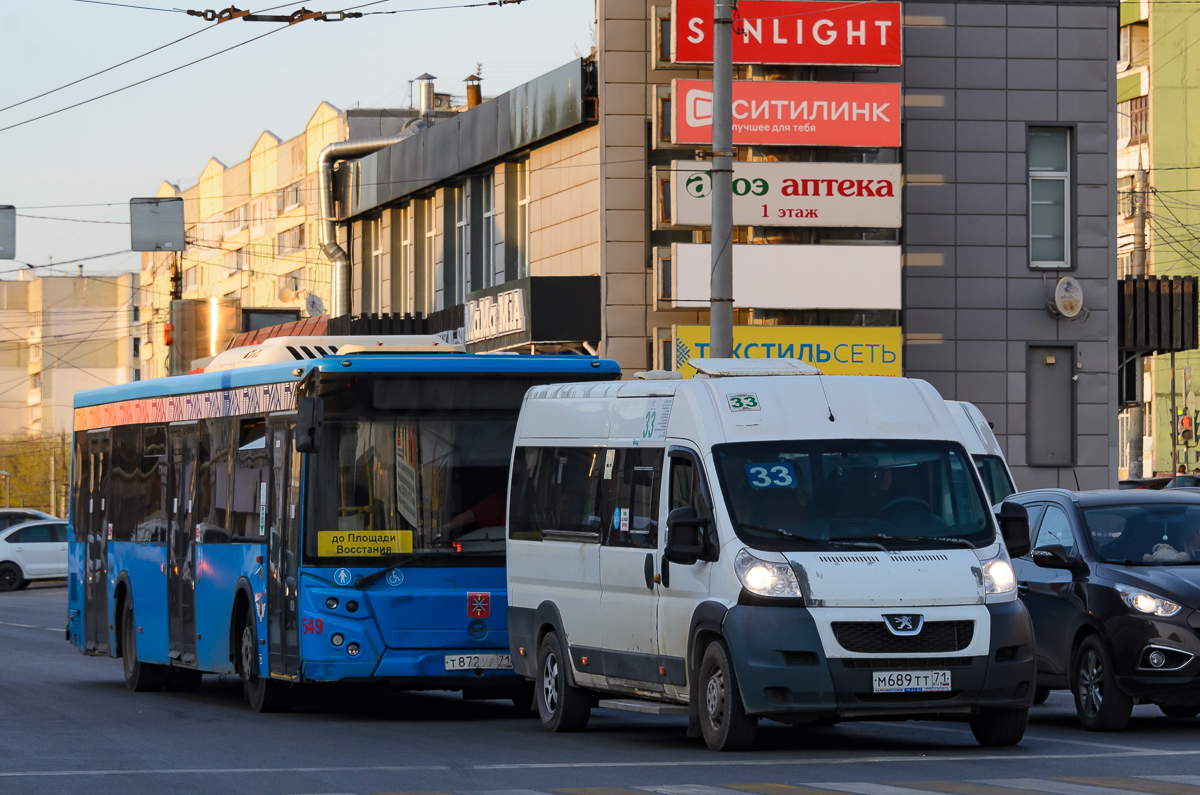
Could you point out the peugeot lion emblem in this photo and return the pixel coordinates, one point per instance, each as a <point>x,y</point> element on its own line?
<point>904,623</point>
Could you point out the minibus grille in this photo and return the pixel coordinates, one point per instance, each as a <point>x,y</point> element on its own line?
<point>873,637</point>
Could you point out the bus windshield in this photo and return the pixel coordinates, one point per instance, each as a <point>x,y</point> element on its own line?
<point>846,493</point>
<point>412,470</point>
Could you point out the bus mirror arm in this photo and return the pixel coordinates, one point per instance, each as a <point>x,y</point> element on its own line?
<point>688,537</point>
<point>310,417</point>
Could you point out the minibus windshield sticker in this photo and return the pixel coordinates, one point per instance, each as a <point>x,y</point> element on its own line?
<point>359,543</point>
<point>776,475</point>
<point>608,464</point>
<point>658,414</point>
<point>747,402</point>
<point>407,496</point>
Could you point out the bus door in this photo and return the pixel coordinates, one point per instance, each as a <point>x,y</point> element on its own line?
<point>95,589</point>
<point>181,547</point>
<point>284,550</point>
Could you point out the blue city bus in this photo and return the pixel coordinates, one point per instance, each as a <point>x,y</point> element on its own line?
<point>307,510</point>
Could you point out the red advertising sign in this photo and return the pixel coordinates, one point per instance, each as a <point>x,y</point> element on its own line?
<point>779,113</point>
<point>792,32</point>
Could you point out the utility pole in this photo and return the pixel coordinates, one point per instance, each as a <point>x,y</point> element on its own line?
<point>53,490</point>
<point>176,276</point>
<point>720,315</point>
<point>1135,431</point>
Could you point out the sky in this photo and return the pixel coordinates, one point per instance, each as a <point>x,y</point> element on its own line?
<point>96,157</point>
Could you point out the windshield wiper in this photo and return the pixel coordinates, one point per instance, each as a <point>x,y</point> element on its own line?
<point>362,582</point>
<point>958,542</point>
<point>845,543</point>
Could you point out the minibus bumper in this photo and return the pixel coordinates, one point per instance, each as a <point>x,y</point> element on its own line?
<point>783,671</point>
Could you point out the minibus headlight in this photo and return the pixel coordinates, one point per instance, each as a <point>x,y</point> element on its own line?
<point>998,575</point>
<point>1145,602</point>
<point>766,579</point>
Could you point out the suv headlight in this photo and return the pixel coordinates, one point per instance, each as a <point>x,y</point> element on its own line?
<point>1146,602</point>
<point>766,579</point>
<point>998,575</point>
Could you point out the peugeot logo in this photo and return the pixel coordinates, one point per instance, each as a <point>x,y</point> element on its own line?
<point>904,624</point>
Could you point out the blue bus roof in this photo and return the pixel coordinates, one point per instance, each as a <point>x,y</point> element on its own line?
<point>369,363</point>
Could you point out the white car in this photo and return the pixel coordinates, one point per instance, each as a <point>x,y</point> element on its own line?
<point>33,550</point>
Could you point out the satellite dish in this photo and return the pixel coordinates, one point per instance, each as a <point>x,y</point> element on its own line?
<point>314,305</point>
<point>1068,297</point>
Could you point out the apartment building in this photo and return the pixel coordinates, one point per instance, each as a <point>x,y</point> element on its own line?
<point>59,335</point>
<point>555,217</point>
<point>250,236</point>
<point>1156,76</point>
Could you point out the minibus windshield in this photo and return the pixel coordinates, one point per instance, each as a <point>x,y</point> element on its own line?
<point>995,477</point>
<point>839,493</point>
<point>412,469</point>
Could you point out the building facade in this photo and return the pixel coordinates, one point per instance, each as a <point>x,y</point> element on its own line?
<point>60,335</point>
<point>552,218</point>
<point>1155,78</point>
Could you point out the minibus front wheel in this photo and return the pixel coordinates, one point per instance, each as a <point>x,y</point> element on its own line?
<point>723,719</point>
<point>562,707</point>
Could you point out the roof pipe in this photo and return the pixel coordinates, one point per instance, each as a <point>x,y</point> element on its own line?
<point>339,294</point>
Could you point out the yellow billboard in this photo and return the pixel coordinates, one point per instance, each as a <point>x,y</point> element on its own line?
<point>835,350</point>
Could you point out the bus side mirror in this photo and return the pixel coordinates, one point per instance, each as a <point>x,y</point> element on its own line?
<point>1014,528</point>
<point>687,537</point>
<point>310,417</point>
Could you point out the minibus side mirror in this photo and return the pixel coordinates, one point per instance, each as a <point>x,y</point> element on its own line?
<point>1014,528</point>
<point>687,536</point>
<point>310,417</point>
<point>1053,556</point>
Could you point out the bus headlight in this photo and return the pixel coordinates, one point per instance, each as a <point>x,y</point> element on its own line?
<point>766,579</point>
<point>998,575</point>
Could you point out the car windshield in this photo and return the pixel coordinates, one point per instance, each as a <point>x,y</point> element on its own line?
<point>843,493</point>
<point>995,477</point>
<point>1148,535</point>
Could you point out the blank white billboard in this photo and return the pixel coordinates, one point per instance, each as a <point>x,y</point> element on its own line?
<point>791,277</point>
<point>156,224</point>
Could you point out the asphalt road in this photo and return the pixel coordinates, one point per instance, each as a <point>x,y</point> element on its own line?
<point>67,724</point>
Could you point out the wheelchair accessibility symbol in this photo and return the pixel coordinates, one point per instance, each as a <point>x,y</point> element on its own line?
<point>342,576</point>
<point>395,577</point>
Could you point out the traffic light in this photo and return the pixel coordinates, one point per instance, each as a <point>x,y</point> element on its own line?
<point>1184,432</point>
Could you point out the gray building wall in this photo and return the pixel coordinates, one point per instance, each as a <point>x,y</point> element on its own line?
<point>976,76</point>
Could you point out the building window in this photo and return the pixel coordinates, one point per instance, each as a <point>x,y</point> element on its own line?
<point>235,261</point>
<point>488,233</point>
<point>236,219</point>
<point>291,283</point>
<point>1123,46</point>
<point>462,240</point>
<point>1133,121</point>
<point>375,231</point>
<point>1049,153</point>
<point>290,241</point>
<point>405,269</point>
<point>137,347</point>
<point>428,252</point>
<point>289,196</point>
<point>189,279</point>
<point>523,218</point>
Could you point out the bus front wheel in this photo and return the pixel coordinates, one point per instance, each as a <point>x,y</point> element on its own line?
<point>264,695</point>
<point>140,677</point>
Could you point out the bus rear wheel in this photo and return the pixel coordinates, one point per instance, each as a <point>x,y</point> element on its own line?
<point>263,695</point>
<point>140,677</point>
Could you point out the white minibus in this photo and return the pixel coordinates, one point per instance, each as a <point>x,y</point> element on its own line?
<point>975,432</point>
<point>761,541</point>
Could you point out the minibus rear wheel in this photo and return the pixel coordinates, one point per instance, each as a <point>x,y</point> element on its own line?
<point>723,719</point>
<point>562,708</point>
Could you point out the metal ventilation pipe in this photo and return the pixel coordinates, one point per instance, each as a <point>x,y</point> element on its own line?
<point>339,294</point>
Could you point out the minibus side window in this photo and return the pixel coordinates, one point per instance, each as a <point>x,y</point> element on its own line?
<point>556,490</point>
<point>632,491</point>
<point>686,491</point>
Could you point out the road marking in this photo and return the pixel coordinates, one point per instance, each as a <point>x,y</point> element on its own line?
<point>1051,787</point>
<point>780,789</point>
<point>963,788</point>
<point>686,789</point>
<point>215,771</point>
<point>596,791</point>
<point>1008,757</point>
<point>866,788</point>
<point>1137,785</point>
<point>53,629</point>
<point>11,624</point>
<point>1193,780</point>
<point>1028,736</point>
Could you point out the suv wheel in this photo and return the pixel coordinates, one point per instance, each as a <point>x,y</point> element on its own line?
<point>1099,703</point>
